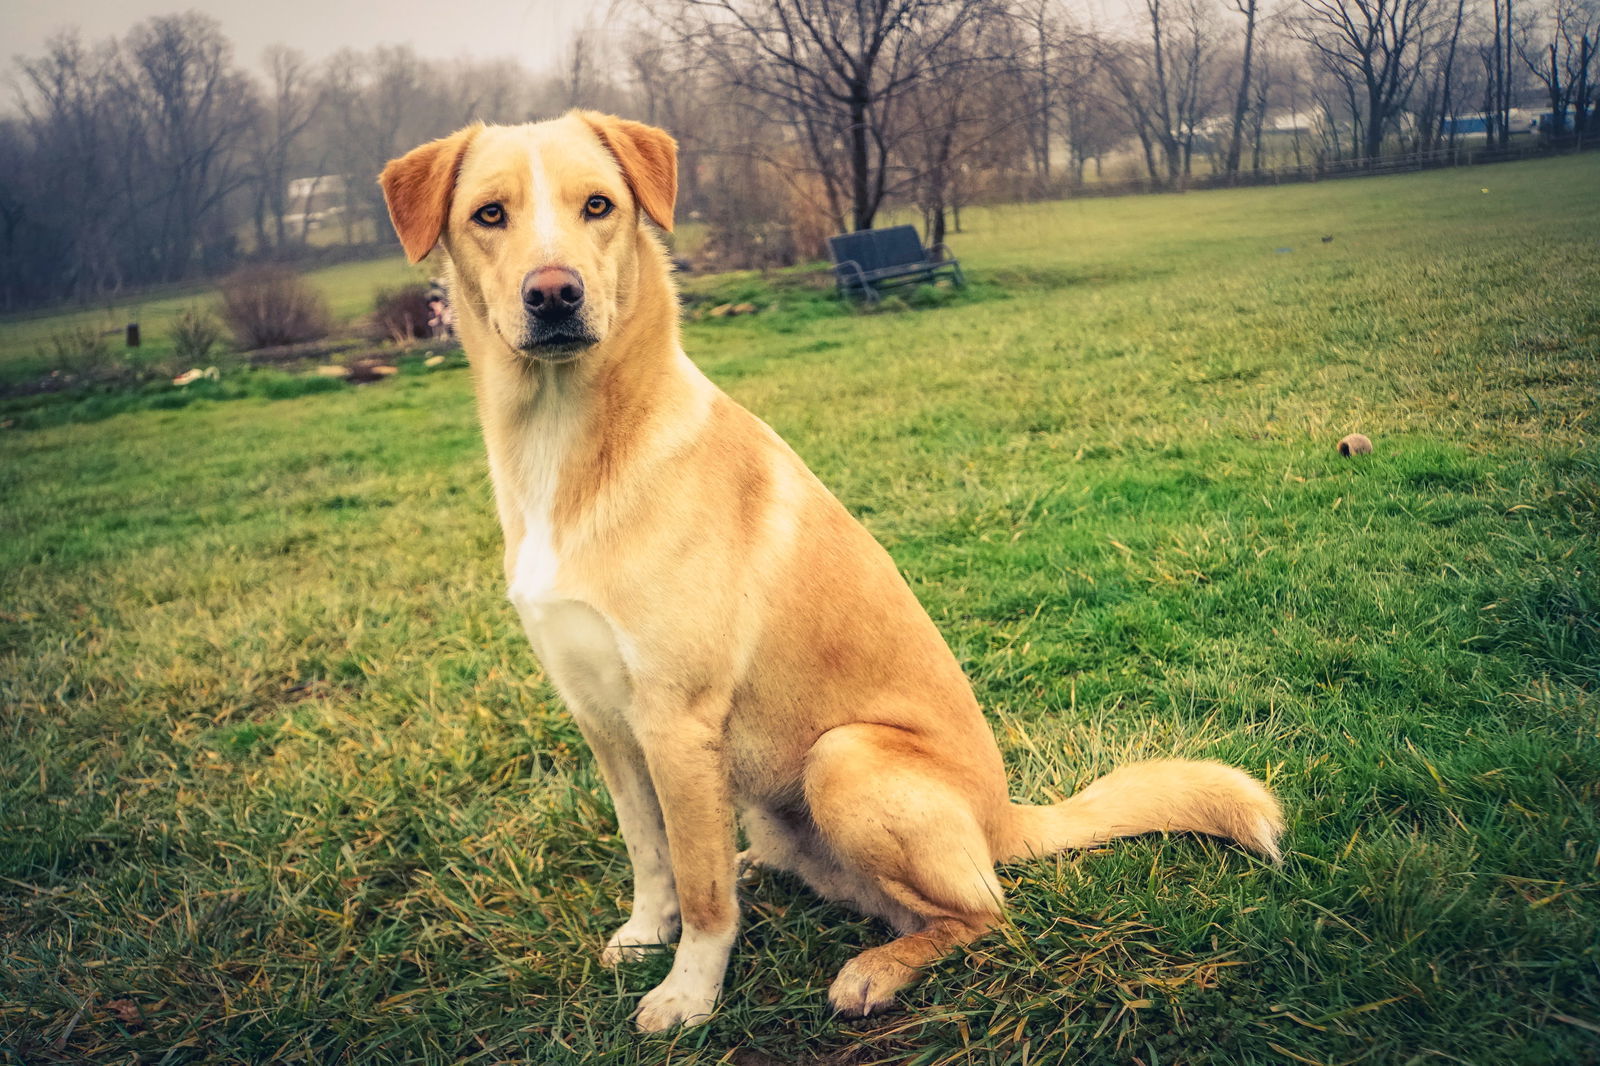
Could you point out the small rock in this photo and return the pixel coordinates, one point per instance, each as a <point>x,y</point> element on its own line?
<point>331,370</point>
<point>127,1012</point>
<point>433,360</point>
<point>743,309</point>
<point>384,371</point>
<point>721,311</point>
<point>1355,444</point>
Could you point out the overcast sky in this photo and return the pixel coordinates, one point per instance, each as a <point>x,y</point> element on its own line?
<point>532,31</point>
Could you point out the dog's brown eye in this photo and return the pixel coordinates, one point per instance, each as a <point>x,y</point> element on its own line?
<point>597,207</point>
<point>489,215</point>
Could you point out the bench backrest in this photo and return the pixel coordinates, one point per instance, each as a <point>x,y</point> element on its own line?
<point>875,249</point>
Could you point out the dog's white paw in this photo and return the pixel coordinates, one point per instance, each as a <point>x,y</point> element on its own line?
<point>674,1002</point>
<point>636,939</point>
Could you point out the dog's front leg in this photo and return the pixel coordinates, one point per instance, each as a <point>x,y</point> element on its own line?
<point>653,921</point>
<point>683,742</point>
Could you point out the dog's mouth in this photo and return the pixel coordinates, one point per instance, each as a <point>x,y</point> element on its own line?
<point>562,348</point>
<point>559,343</point>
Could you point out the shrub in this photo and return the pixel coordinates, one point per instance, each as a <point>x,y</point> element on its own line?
<point>194,333</point>
<point>762,219</point>
<point>402,314</point>
<point>80,349</point>
<point>266,306</point>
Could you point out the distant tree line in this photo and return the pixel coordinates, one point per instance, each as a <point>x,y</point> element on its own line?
<point>158,157</point>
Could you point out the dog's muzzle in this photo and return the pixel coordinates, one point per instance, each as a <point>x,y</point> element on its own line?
<point>553,299</point>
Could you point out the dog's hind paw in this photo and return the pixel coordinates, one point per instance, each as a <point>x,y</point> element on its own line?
<point>867,984</point>
<point>748,864</point>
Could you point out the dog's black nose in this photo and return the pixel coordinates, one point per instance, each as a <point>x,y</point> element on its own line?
<point>552,293</point>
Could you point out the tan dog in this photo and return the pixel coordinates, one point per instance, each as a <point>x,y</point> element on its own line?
<point>726,635</point>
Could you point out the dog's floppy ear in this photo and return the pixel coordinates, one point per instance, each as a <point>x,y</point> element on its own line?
<point>417,188</point>
<point>649,161</point>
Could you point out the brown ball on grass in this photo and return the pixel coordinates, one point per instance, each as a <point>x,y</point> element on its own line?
<point>1355,444</point>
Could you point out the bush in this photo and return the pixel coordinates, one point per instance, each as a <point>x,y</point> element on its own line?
<point>194,333</point>
<point>762,220</point>
<point>266,306</point>
<point>80,349</point>
<point>402,314</point>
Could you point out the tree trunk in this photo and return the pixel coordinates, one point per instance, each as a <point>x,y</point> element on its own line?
<point>1506,82</point>
<point>1491,102</point>
<point>1241,102</point>
<point>261,217</point>
<point>1044,102</point>
<point>861,206</point>
<point>1558,102</point>
<point>1372,141</point>
<point>1580,117</point>
<point>1447,103</point>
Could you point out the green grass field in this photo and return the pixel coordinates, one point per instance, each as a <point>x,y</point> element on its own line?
<point>25,348</point>
<point>281,782</point>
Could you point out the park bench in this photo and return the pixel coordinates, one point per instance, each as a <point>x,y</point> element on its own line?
<point>869,260</point>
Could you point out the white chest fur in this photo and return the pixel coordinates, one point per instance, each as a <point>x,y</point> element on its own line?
<point>579,649</point>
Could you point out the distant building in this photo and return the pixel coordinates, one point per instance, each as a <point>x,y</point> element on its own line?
<point>313,202</point>
<point>1521,120</point>
<point>324,185</point>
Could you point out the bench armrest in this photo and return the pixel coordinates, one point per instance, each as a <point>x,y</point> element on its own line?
<point>851,269</point>
<point>848,274</point>
<point>950,261</point>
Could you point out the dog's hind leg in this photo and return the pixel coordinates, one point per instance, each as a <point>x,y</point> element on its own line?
<point>913,845</point>
<point>868,983</point>
<point>787,840</point>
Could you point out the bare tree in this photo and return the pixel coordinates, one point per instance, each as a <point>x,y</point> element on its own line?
<point>1088,113</point>
<point>378,103</point>
<point>1584,92</point>
<point>583,69</point>
<point>75,140</point>
<point>143,160</point>
<point>1439,79</point>
<point>835,70</point>
<point>1241,100</point>
<point>289,106</point>
<point>955,119</point>
<point>1372,48</point>
<point>496,90</point>
<point>196,109</point>
<point>1168,85</point>
<point>1499,74</point>
<point>1034,59</point>
<point>1557,45</point>
<point>669,90</point>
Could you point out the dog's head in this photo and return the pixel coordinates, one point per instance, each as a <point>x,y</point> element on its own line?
<point>541,222</point>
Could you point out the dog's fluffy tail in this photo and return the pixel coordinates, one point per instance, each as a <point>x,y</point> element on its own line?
<point>1161,796</point>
